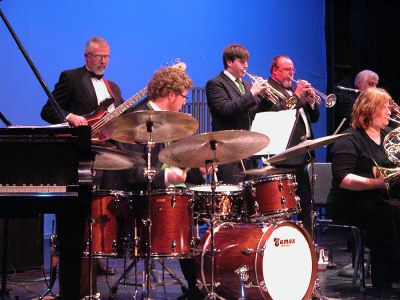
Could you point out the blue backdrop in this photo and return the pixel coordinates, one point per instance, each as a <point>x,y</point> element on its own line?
<point>145,35</point>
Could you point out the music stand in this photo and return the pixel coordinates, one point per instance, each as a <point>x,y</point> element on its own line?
<point>268,122</point>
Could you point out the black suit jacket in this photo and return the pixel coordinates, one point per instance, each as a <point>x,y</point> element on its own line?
<point>299,130</point>
<point>229,108</point>
<point>74,92</point>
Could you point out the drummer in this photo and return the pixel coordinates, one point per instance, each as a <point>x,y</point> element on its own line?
<point>167,91</point>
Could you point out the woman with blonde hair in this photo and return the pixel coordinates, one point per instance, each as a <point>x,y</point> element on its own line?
<point>357,196</point>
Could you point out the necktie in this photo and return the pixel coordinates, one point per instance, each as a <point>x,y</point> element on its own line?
<point>94,75</point>
<point>240,86</point>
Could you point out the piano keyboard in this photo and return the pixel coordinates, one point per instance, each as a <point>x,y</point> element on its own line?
<point>32,188</point>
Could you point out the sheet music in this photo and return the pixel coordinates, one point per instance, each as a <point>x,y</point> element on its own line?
<point>277,125</point>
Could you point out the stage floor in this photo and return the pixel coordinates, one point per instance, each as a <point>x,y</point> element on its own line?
<point>29,285</point>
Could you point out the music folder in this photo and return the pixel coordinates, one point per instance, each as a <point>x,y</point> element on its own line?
<point>278,126</point>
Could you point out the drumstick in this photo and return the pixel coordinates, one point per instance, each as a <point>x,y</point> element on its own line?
<point>241,161</point>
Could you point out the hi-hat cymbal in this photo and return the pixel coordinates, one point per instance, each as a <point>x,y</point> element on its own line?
<point>304,147</point>
<point>269,170</point>
<point>113,159</point>
<point>230,146</point>
<point>167,126</point>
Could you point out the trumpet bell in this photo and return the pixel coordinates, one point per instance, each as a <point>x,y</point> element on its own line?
<point>330,100</point>
<point>390,175</point>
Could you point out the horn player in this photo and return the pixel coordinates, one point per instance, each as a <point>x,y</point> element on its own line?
<point>357,197</point>
<point>282,72</point>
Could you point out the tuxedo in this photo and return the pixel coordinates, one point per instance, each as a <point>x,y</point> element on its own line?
<point>230,109</point>
<point>299,162</point>
<point>74,93</point>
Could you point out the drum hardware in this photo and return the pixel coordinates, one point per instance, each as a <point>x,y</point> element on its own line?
<point>243,272</point>
<point>53,263</point>
<point>306,147</point>
<point>215,148</point>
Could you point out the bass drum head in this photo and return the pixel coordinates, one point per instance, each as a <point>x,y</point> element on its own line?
<point>288,263</point>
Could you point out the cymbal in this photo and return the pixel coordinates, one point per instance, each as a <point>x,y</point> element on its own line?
<point>113,159</point>
<point>231,146</point>
<point>269,170</point>
<point>305,146</point>
<point>167,126</point>
<point>101,143</point>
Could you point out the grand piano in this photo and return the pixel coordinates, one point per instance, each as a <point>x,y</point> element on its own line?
<point>48,170</point>
<point>43,169</point>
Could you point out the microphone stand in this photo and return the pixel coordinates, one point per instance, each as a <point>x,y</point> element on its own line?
<point>53,102</point>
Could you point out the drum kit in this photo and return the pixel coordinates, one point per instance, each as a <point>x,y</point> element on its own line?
<point>251,249</point>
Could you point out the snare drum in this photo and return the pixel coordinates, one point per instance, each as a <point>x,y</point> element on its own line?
<point>228,201</point>
<point>277,261</point>
<point>271,196</point>
<point>171,215</point>
<point>110,215</point>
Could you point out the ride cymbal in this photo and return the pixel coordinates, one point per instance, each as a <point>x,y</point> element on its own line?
<point>230,146</point>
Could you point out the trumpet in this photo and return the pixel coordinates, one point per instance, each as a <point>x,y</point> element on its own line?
<point>276,96</point>
<point>330,100</point>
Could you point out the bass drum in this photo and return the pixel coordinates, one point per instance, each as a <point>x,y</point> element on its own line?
<point>280,258</point>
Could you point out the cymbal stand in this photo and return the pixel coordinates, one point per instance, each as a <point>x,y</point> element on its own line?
<point>149,172</point>
<point>312,187</point>
<point>211,294</point>
<point>317,289</point>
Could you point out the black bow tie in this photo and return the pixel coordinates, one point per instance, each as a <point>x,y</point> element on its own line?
<point>94,75</point>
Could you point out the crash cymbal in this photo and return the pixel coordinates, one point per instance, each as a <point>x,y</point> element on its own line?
<point>230,146</point>
<point>104,144</point>
<point>113,159</point>
<point>167,126</point>
<point>304,147</point>
<point>269,170</point>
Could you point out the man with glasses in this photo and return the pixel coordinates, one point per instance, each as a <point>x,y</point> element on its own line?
<point>167,90</point>
<point>282,74</point>
<point>80,92</point>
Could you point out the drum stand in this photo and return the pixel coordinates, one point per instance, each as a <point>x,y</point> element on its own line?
<point>90,260</point>
<point>53,264</point>
<point>211,294</point>
<point>149,173</point>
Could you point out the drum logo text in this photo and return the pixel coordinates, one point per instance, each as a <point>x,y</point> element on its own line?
<point>283,242</point>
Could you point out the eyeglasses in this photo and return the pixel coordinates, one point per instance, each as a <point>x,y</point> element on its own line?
<point>184,96</point>
<point>99,57</point>
<point>288,69</point>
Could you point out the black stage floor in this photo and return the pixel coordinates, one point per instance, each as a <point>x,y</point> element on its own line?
<point>29,285</point>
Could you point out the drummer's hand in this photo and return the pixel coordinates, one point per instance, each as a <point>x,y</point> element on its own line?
<point>76,120</point>
<point>176,175</point>
<point>208,170</point>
